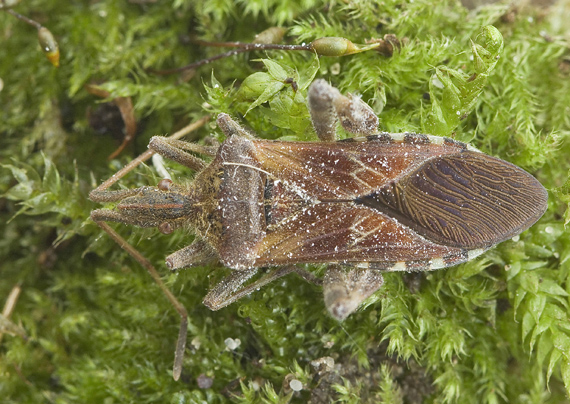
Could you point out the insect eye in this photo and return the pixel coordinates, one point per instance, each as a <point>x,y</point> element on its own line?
<point>164,184</point>
<point>165,228</point>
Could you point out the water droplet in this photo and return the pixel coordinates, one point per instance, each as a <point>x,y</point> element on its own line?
<point>296,385</point>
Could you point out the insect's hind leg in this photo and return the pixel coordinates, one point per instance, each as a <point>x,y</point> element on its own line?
<point>227,290</point>
<point>344,291</point>
<point>327,105</point>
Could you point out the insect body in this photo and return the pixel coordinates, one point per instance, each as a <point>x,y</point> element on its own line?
<point>387,201</point>
<point>374,203</point>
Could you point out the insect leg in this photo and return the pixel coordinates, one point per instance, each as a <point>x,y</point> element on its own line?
<point>99,191</point>
<point>226,292</point>
<point>193,147</point>
<point>170,150</point>
<point>231,127</point>
<point>197,253</point>
<point>173,149</point>
<point>308,276</point>
<point>344,290</point>
<point>320,102</point>
<point>326,105</point>
<point>101,194</point>
<point>181,342</point>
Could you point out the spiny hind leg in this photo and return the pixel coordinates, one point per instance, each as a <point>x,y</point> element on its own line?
<point>227,291</point>
<point>345,290</point>
<point>327,105</point>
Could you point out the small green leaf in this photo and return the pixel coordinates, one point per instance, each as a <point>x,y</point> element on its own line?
<point>529,281</point>
<point>308,75</point>
<point>543,348</point>
<point>254,85</point>
<point>536,306</point>
<point>261,87</point>
<point>19,192</point>
<point>552,288</point>
<point>520,294</point>
<point>555,312</point>
<point>51,181</point>
<point>528,324</point>
<point>279,72</point>
<point>513,270</point>
<point>554,359</point>
<point>565,371</point>
<point>561,342</point>
<point>541,327</point>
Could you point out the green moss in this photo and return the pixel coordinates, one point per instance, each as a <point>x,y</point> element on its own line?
<point>491,330</point>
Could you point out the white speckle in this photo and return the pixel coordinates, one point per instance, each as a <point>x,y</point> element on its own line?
<point>549,229</point>
<point>335,69</point>
<point>255,385</point>
<point>296,385</point>
<point>516,238</point>
<point>1,84</point>
<point>436,82</point>
<point>232,344</point>
<point>196,343</point>
<point>324,364</point>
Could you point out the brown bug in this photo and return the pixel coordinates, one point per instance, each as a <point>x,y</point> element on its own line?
<point>365,205</point>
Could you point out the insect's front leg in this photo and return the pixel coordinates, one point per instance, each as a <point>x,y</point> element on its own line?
<point>98,192</point>
<point>345,290</point>
<point>173,149</point>
<point>181,342</point>
<point>327,105</point>
<point>99,216</point>
<point>231,127</point>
